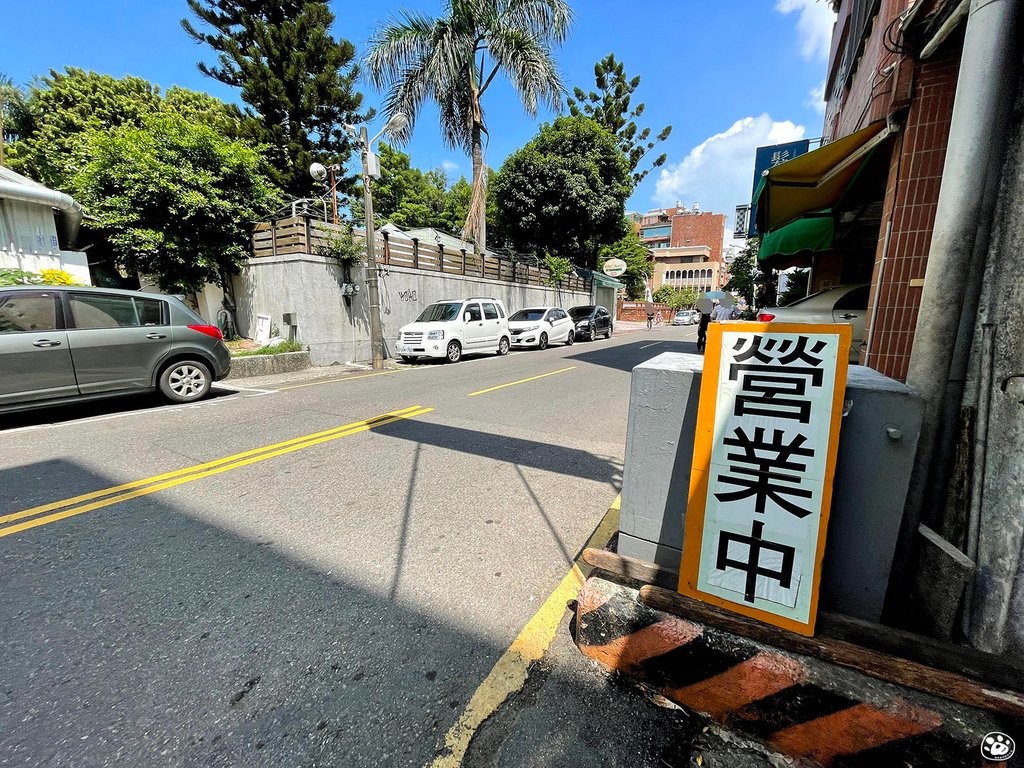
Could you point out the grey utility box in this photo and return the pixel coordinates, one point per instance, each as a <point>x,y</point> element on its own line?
<point>877,442</point>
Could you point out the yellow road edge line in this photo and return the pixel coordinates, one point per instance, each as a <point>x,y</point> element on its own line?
<point>521,381</point>
<point>340,378</point>
<point>188,470</point>
<point>12,529</point>
<point>510,672</point>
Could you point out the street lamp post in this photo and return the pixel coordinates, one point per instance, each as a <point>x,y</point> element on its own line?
<point>396,124</point>
<point>376,329</point>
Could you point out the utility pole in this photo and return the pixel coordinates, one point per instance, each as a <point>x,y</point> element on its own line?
<point>376,331</point>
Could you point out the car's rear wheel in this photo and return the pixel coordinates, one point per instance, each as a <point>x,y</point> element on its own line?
<point>503,346</point>
<point>542,343</point>
<point>409,358</point>
<point>185,381</point>
<point>570,339</point>
<point>454,352</point>
<point>608,333</point>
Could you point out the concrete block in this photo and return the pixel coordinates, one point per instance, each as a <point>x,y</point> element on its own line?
<point>878,439</point>
<point>266,365</point>
<point>663,401</point>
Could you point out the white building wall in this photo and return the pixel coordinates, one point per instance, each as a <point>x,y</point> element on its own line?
<point>28,241</point>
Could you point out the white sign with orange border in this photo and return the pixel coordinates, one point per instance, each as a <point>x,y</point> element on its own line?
<point>763,462</point>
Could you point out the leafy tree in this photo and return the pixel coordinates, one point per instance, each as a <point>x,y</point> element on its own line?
<point>564,193</point>
<point>796,287</point>
<point>12,115</point>
<point>743,272</point>
<point>298,81</point>
<point>405,196</point>
<point>63,108</point>
<point>639,266</point>
<point>558,268</point>
<point>677,298</point>
<point>611,107</point>
<point>173,198</point>
<point>454,59</point>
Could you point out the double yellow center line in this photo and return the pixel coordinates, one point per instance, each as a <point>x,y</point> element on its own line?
<point>87,502</point>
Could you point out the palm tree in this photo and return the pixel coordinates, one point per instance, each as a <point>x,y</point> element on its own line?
<point>454,59</point>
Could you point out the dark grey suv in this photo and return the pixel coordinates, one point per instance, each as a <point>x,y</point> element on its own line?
<point>60,344</point>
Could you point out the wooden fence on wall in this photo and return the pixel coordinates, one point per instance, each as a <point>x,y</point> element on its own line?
<point>302,235</point>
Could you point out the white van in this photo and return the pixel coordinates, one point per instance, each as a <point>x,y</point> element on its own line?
<point>454,327</point>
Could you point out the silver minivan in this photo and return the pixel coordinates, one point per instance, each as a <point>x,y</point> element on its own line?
<point>61,344</point>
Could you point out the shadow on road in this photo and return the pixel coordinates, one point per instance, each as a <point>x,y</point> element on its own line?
<point>115,405</point>
<point>626,357</point>
<point>140,634</point>
<point>513,450</point>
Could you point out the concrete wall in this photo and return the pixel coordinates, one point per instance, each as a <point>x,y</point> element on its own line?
<point>336,328</point>
<point>75,263</point>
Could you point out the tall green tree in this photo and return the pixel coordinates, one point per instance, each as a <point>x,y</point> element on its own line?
<point>173,198</point>
<point>298,81</point>
<point>63,108</point>
<point>677,298</point>
<point>564,193</point>
<point>744,273</point>
<point>12,115</point>
<point>639,266</point>
<point>406,196</point>
<point>796,287</point>
<point>611,107</point>
<point>453,60</point>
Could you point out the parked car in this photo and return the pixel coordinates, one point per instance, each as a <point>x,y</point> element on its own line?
<point>685,317</point>
<point>540,326</point>
<point>61,344</point>
<point>842,304</point>
<point>454,327</point>
<point>591,322</point>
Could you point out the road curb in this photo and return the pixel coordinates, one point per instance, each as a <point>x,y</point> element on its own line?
<point>800,706</point>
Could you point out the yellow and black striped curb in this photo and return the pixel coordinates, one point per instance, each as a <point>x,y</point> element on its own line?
<point>795,705</point>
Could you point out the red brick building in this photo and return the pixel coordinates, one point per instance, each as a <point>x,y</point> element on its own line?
<point>686,244</point>
<point>891,80</point>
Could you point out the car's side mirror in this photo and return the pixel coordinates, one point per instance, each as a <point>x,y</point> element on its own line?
<point>466,317</point>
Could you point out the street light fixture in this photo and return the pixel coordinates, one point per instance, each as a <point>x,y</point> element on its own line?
<point>396,124</point>
<point>319,171</point>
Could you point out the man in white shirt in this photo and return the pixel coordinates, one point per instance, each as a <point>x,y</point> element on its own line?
<point>721,312</point>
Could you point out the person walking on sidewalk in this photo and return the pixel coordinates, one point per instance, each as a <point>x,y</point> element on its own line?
<point>721,313</point>
<point>702,330</point>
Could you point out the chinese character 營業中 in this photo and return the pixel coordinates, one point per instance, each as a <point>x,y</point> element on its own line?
<point>752,565</point>
<point>771,385</point>
<point>763,469</point>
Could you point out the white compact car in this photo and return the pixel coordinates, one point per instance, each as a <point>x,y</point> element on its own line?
<point>540,326</point>
<point>454,327</point>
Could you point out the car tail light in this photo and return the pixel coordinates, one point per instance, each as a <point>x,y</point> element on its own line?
<point>765,317</point>
<point>209,330</point>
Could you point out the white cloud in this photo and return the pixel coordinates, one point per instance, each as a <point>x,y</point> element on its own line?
<point>450,166</point>
<point>816,98</point>
<point>814,25</point>
<point>719,172</point>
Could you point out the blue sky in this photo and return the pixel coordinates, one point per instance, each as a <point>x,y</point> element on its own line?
<point>727,75</point>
